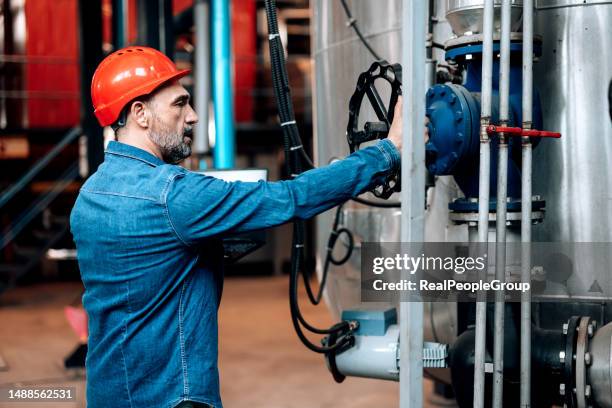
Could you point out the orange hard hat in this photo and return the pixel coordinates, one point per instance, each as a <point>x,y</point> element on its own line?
<point>127,74</point>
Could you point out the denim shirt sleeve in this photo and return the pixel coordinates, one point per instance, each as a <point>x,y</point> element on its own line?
<point>200,207</point>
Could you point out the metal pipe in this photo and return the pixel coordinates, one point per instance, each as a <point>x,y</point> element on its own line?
<point>483,195</point>
<point>202,75</point>
<point>526,192</point>
<point>414,18</point>
<point>90,55</point>
<point>166,28</point>
<point>502,195</point>
<point>500,264</point>
<point>222,85</point>
<point>119,23</point>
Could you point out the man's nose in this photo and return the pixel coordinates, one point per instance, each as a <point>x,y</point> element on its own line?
<point>192,116</point>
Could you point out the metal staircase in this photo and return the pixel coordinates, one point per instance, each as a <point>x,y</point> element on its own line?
<point>32,228</point>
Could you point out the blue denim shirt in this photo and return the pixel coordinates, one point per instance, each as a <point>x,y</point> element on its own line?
<point>148,242</point>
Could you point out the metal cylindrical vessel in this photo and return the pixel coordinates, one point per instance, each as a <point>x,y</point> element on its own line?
<point>466,16</point>
<point>339,58</point>
<point>573,173</point>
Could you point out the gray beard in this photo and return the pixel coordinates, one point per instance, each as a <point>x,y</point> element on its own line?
<point>171,145</point>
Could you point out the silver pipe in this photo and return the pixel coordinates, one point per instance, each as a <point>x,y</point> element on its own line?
<point>502,195</point>
<point>526,277</point>
<point>526,192</point>
<point>202,75</point>
<point>487,64</point>
<point>500,264</point>
<point>414,18</point>
<point>483,195</point>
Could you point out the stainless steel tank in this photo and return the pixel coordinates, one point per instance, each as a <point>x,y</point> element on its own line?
<point>465,16</point>
<point>573,174</point>
<point>339,58</point>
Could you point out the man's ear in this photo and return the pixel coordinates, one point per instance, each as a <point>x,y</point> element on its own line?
<point>141,114</point>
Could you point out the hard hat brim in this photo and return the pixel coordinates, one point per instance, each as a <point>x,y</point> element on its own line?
<point>109,113</point>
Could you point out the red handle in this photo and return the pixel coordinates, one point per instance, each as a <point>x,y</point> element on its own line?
<point>517,131</point>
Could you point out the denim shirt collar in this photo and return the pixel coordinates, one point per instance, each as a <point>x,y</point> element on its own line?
<point>132,152</point>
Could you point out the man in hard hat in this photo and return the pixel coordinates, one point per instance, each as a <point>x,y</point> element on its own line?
<point>148,233</point>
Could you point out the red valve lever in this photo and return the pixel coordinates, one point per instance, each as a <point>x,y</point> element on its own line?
<point>517,131</point>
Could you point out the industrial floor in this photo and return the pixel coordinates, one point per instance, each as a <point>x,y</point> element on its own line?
<point>262,362</point>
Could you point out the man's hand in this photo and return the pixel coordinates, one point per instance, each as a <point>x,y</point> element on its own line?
<point>395,133</point>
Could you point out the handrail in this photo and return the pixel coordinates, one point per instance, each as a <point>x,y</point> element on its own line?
<point>41,164</point>
<point>39,205</point>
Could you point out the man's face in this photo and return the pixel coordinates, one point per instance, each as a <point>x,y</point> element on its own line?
<point>172,120</point>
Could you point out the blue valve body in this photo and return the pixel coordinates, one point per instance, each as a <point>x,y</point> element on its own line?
<point>454,128</point>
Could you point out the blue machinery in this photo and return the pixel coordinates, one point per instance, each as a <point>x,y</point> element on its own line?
<point>454,112</point>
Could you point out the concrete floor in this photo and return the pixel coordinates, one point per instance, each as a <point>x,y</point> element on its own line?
<point>262,362</point>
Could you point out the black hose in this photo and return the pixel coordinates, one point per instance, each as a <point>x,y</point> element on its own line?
<point>329,257</point>
<point>295,158</point>
<point>296,161</point>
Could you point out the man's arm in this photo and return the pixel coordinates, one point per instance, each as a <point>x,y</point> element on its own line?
<point>199,206</point>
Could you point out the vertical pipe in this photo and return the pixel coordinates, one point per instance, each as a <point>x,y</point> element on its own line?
<point>90,51</point>
<point>202,74</point>
<point>119,23</point>
<point>483,195</point>
<point>222,85</point>
<point>414,18</point>
<point>166,28</point>
<point>526,203</point>
<point>148,23</point>
<point>502,195</point>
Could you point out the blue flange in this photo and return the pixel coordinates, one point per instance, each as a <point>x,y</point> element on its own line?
<point>454,117</point>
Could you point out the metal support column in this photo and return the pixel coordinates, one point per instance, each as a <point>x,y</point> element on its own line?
<point>414,19</point>
<point>526,203</point>
<point>222,85</point>
<point>202,74</point>
<point>90,16</point>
